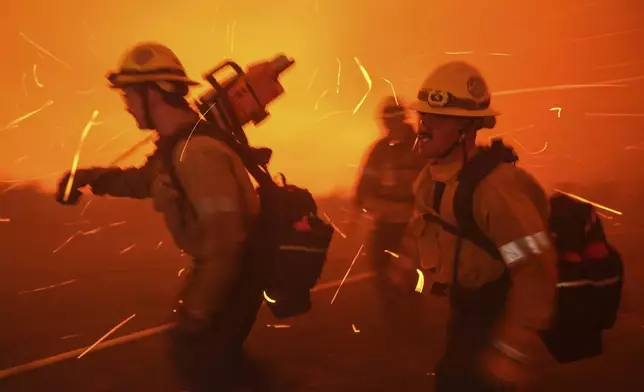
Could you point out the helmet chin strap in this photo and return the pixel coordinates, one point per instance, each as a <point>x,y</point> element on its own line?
<point>144,93</point>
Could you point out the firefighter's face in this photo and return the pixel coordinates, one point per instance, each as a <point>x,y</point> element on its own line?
<point>436,134</point>
<point>134,104</point>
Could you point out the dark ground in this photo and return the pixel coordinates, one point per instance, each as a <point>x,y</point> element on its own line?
<point>318,352</point>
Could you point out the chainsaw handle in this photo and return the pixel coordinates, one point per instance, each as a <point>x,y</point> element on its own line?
<point>210,75</point>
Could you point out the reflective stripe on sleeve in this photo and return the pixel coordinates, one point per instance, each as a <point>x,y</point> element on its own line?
<point>599,283</point>
<point>523,247</point>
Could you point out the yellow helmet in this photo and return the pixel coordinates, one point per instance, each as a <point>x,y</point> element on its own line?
<point>150,62</point>
<point>391,107</point>
<point>455,89</point>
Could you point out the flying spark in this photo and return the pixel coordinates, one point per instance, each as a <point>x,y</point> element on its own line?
<point>337,88</point>
<point>499,54</point>
<point>26,116</point>
<point>45,51</point>
<point>347,273</point>
<point>328,218</point>
<point>334,113</point>
<point>183,151</point>
<point>368,79</point>
<point>109,141</point>
<point>129,248</point>
<point>589,202</point>
<point>614,114</point>
<point>521,129</point>
<point>85,207</point>
<point>604,35</point>
<point>615,65</point>
<point>181,272</point>
<point>278,326</point>
<point>117,223</point>
<point>313,79</point>
<point>105,336</point>
<point>392,253</point>
<point>555,88</point>
<point>70,181</point>
<point>93,231</point>
<point>67,241</point>
<point>623,80</point>
<point>393,90</point>
<point>355,330</point>
<point>458,53</point>
<point>420,283</point>
<point>608,217</point>
<point>24,85</point>
<point>558,111</point>
<point>5,220</point>
<point>159,245</point>
<point>317,103</point>
<point>268,299</point>
<point>53,286</point>
<point>36,78</point>
<point>528,151</point>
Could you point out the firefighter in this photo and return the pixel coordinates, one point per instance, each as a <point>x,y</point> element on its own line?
<point>385,191</point>
<point>497,308</point>
<point>208,202</point>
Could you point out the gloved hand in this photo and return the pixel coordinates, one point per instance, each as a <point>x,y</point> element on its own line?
<point>402,274</point>
<point>82,178</point>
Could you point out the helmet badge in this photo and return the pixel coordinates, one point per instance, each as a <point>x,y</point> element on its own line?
<point>143,56</point>
<point>476,87</point>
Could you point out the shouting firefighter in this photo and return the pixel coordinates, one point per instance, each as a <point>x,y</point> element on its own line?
<point>385,191</point>
<point>483,233</point>
<point>209,204</point>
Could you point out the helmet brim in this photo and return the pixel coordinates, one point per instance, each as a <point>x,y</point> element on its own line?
<point>424,107</point>
<point>118,81</point>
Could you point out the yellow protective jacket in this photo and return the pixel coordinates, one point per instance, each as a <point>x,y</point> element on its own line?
<point>512,209</point>
<point>385,184</point>
<point>223,205</point>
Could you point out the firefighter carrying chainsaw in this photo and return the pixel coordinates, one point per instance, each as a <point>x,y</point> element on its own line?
<point>384,191</point>
<point>198,178</point>
<point>521,269</point>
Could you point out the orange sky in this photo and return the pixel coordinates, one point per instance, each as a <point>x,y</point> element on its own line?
<point>517,45</point>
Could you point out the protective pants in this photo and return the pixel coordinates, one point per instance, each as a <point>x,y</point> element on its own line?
<point>213,358</point>
<point>474,314</point>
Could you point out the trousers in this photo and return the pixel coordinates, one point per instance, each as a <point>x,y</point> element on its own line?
<point>212,358</point>
<point>473,316</point>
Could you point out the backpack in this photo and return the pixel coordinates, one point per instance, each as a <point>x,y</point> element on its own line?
<point>288,244</point>
<point>590,270</point>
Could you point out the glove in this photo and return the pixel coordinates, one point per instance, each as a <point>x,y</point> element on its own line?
<point>402,274</point>
<point>82,178</point>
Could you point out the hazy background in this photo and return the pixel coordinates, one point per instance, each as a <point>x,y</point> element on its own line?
<point>518,45</point>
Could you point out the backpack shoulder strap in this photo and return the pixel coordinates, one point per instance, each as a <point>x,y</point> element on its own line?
<point>255,160</point>
<point>469,178</point>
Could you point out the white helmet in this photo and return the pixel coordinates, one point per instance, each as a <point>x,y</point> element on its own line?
<point>454,89</point>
